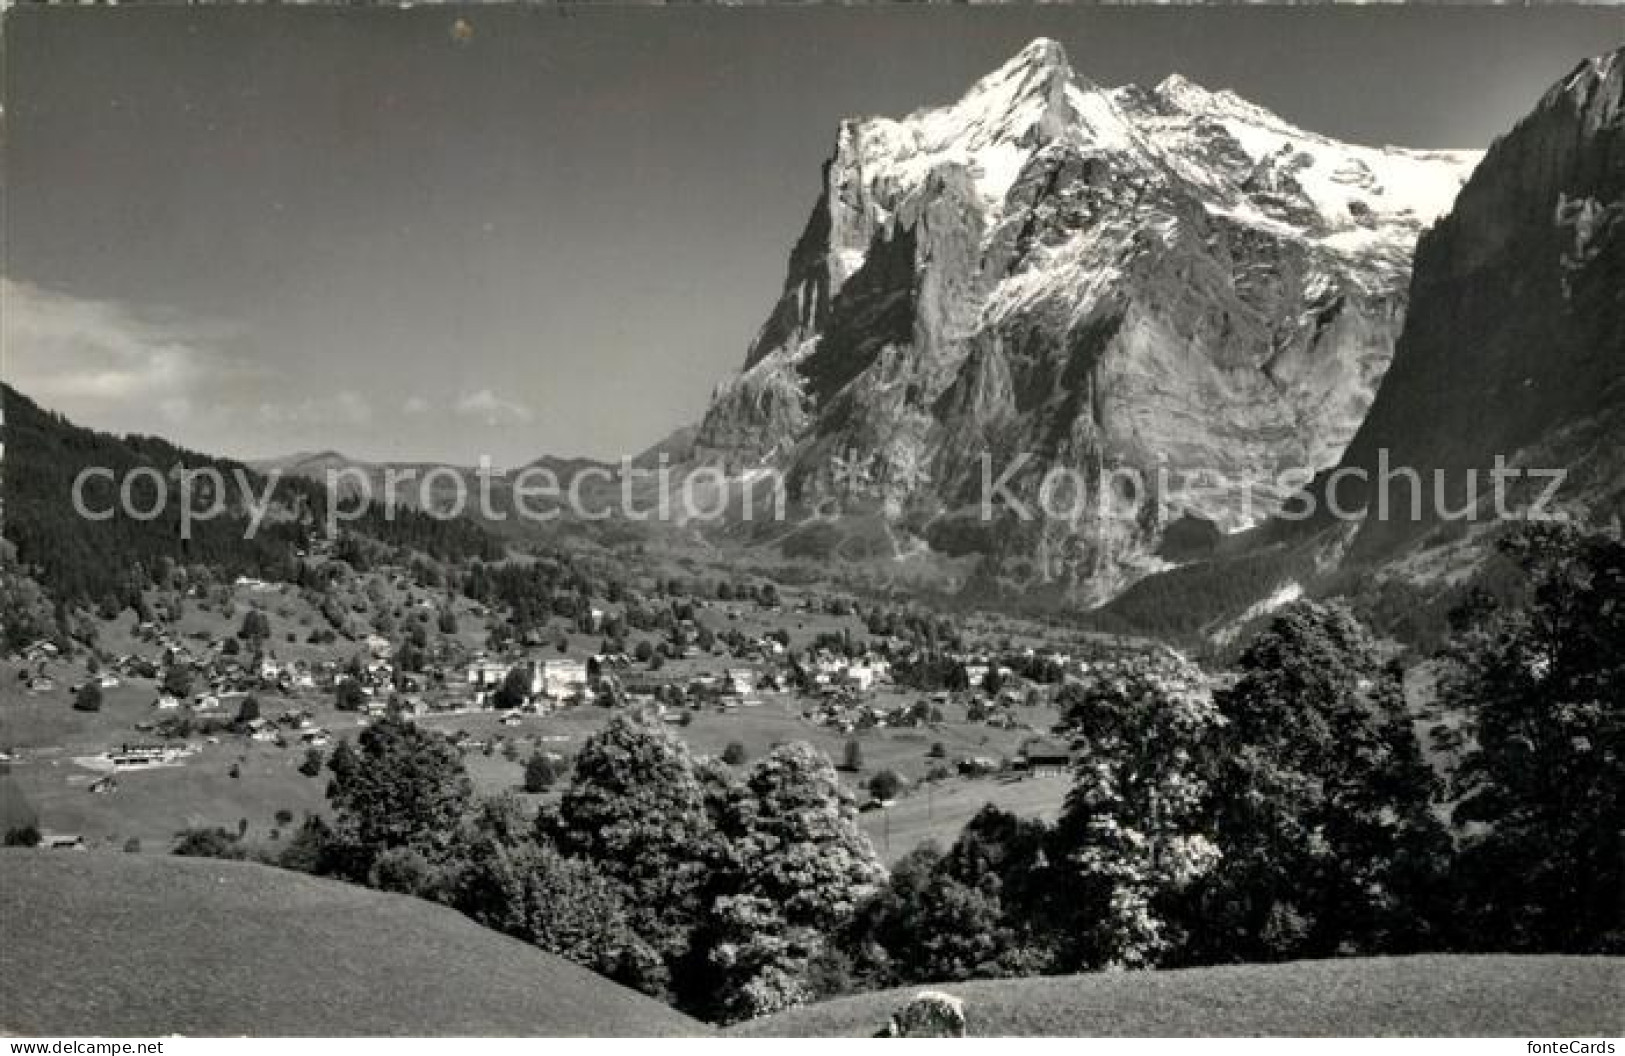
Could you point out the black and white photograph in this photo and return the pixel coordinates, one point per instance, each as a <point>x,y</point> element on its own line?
<point>802,520</point>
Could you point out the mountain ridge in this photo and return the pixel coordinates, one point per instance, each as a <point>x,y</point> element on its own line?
<point>1099,278</point>
<point>1511,351</point>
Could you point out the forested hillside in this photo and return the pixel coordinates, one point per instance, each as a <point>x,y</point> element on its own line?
<point>80,560</point>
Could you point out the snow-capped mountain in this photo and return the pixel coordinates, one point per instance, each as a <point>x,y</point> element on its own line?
<point>1513,350</point>
<point>1098,279</point>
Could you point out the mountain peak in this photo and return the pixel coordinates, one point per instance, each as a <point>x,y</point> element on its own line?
<point>1176,85</point>
<point>1042,53</point>
<point>1596,88</point>
<point>1032,82</point>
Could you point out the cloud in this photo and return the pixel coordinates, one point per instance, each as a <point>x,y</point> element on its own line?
<point>415,405</point>
<point>94,356</point>
<point>492,409</point>
<point>342,408</point>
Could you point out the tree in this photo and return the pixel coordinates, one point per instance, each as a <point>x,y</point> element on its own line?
<point>1544,686</point>
<point>562,905</point>
<point>177,681</point>
<point>884,785</point>
<point>248,710</point>
<point>852,756</point>
<point>800,840</point>
<point>348,694</point>
<point>26,613</point>
<point>759,962</point>
<point>311,765</point>
<point>1322,801</point>
<point>402,786</point>
<point>541,773</point>
<point>734,754</point>
<point>1131,829</point>
<point>89,697</point>
<point>256,626</point>
<point>23,836</point>
<point>312,849</point>
<point>798,869</point>
<point>636,810</point>
<point>515,689</point>
<point>932,925</point>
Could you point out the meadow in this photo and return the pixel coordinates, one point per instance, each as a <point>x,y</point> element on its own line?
<point>1423,996</point>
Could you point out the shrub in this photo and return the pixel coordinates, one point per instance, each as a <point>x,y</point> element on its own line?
<point>541,773</point>
<point>89,698</point>
<point>208,843</point>
<point>405,871</point>
<point>885,785</point>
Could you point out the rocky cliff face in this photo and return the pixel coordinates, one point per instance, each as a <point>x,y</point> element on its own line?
<point>1056,275</point>
<point>1513,347</point>
<point>1515,344</point>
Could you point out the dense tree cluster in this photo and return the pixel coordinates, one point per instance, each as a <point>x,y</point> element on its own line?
<point>719,891</point>
<point>1291,814</point>
<point>1543,793</point>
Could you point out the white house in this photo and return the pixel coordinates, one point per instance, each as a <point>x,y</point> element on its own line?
<point>861,676</point>
<point>483,674</point>
<point>562,679</point>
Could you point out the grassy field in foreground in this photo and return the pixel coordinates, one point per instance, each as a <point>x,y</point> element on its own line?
<point>1426,996</point>
<point>139,945</point>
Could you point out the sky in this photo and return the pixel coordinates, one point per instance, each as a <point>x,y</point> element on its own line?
<point>264,230</point>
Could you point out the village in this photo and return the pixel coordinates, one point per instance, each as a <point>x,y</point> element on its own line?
<point>249,699</point>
